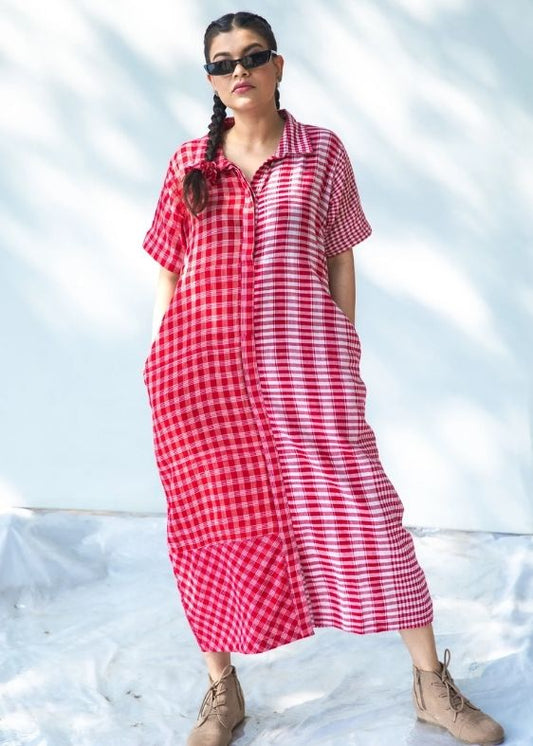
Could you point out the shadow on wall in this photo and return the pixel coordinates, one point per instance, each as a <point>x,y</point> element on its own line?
<point>434,114</point>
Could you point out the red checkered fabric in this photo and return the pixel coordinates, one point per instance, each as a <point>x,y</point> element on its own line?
<point>280,516</point>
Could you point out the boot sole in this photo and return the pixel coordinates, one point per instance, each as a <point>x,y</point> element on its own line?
<point>472,743</point>
<point>232,729</point>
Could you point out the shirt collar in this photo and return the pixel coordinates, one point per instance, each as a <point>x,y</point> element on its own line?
<point>294,138</point>
<point>294,141</point>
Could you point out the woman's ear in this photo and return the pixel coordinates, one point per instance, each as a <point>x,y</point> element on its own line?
<point>279,64</point>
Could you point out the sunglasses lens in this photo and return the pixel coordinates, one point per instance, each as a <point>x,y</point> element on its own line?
<point>256,59</point>
<point>225,67</point>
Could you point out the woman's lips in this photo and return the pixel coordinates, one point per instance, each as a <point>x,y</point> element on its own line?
<point>242,88</point>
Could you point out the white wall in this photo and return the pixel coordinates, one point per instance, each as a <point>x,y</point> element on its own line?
<point>431,102</point>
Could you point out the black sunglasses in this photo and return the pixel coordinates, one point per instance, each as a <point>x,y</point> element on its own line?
<point>225,67</point>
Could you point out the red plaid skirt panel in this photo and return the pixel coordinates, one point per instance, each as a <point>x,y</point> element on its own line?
<point>280,516</point>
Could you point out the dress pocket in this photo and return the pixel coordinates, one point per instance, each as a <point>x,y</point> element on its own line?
<point>338,310</point>
<point>351,336</point>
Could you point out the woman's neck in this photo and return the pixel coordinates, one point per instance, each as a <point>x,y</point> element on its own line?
<point>252,132</point>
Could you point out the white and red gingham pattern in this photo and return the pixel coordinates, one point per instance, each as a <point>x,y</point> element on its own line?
<point>280,516</point>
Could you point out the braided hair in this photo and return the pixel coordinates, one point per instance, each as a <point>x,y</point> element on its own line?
<point>195,192</point>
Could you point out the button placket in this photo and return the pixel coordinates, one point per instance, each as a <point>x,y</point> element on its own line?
<point>247,265</point>
<point>251,377</point>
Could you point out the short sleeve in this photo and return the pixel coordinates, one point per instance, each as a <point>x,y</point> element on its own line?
<point>165,241</point>
<point>346,224</point>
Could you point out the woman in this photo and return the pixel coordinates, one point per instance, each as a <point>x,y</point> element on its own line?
<point>280,516</point>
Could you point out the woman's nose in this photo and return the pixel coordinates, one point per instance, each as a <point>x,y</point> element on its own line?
<point>240,68</point>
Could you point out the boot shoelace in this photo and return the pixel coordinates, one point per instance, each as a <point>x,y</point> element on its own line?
<point>210,703</point>
<point>456,700</point>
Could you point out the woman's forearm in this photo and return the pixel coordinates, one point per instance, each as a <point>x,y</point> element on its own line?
<point>166,284</point>
<point>341,273</point>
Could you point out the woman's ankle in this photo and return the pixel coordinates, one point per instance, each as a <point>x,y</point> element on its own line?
<point>216,663</point>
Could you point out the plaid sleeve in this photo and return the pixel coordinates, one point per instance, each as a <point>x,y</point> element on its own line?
<point>165,241</point>
<point>346,224</point>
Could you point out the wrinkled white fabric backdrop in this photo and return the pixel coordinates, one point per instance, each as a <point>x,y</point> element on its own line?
<point>431,102</point>
<point>96,650</point>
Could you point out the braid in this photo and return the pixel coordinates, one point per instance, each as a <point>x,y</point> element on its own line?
<point>215,127</point>
<point>194,184</point>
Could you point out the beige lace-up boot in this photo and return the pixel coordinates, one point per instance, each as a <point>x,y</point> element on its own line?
<point>438,701</point>
<point>221,710</point>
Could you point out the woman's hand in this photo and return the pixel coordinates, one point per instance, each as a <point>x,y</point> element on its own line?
<point>341,274</point>
<point>166,284</point>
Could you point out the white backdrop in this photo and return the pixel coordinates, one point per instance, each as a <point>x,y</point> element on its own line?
<point>431,102</point>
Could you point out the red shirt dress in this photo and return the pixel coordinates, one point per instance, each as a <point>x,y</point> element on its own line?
<point>280,516</point>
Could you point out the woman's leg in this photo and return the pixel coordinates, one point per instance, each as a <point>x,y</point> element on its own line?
<point>421,645</point>
<point>223,705</point>
<point>216,663</point>
<point>436,696</point>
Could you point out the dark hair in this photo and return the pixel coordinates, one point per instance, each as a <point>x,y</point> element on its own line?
<point>195,192</point>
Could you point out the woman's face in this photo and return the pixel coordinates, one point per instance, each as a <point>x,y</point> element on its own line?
<point>233,45</point>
